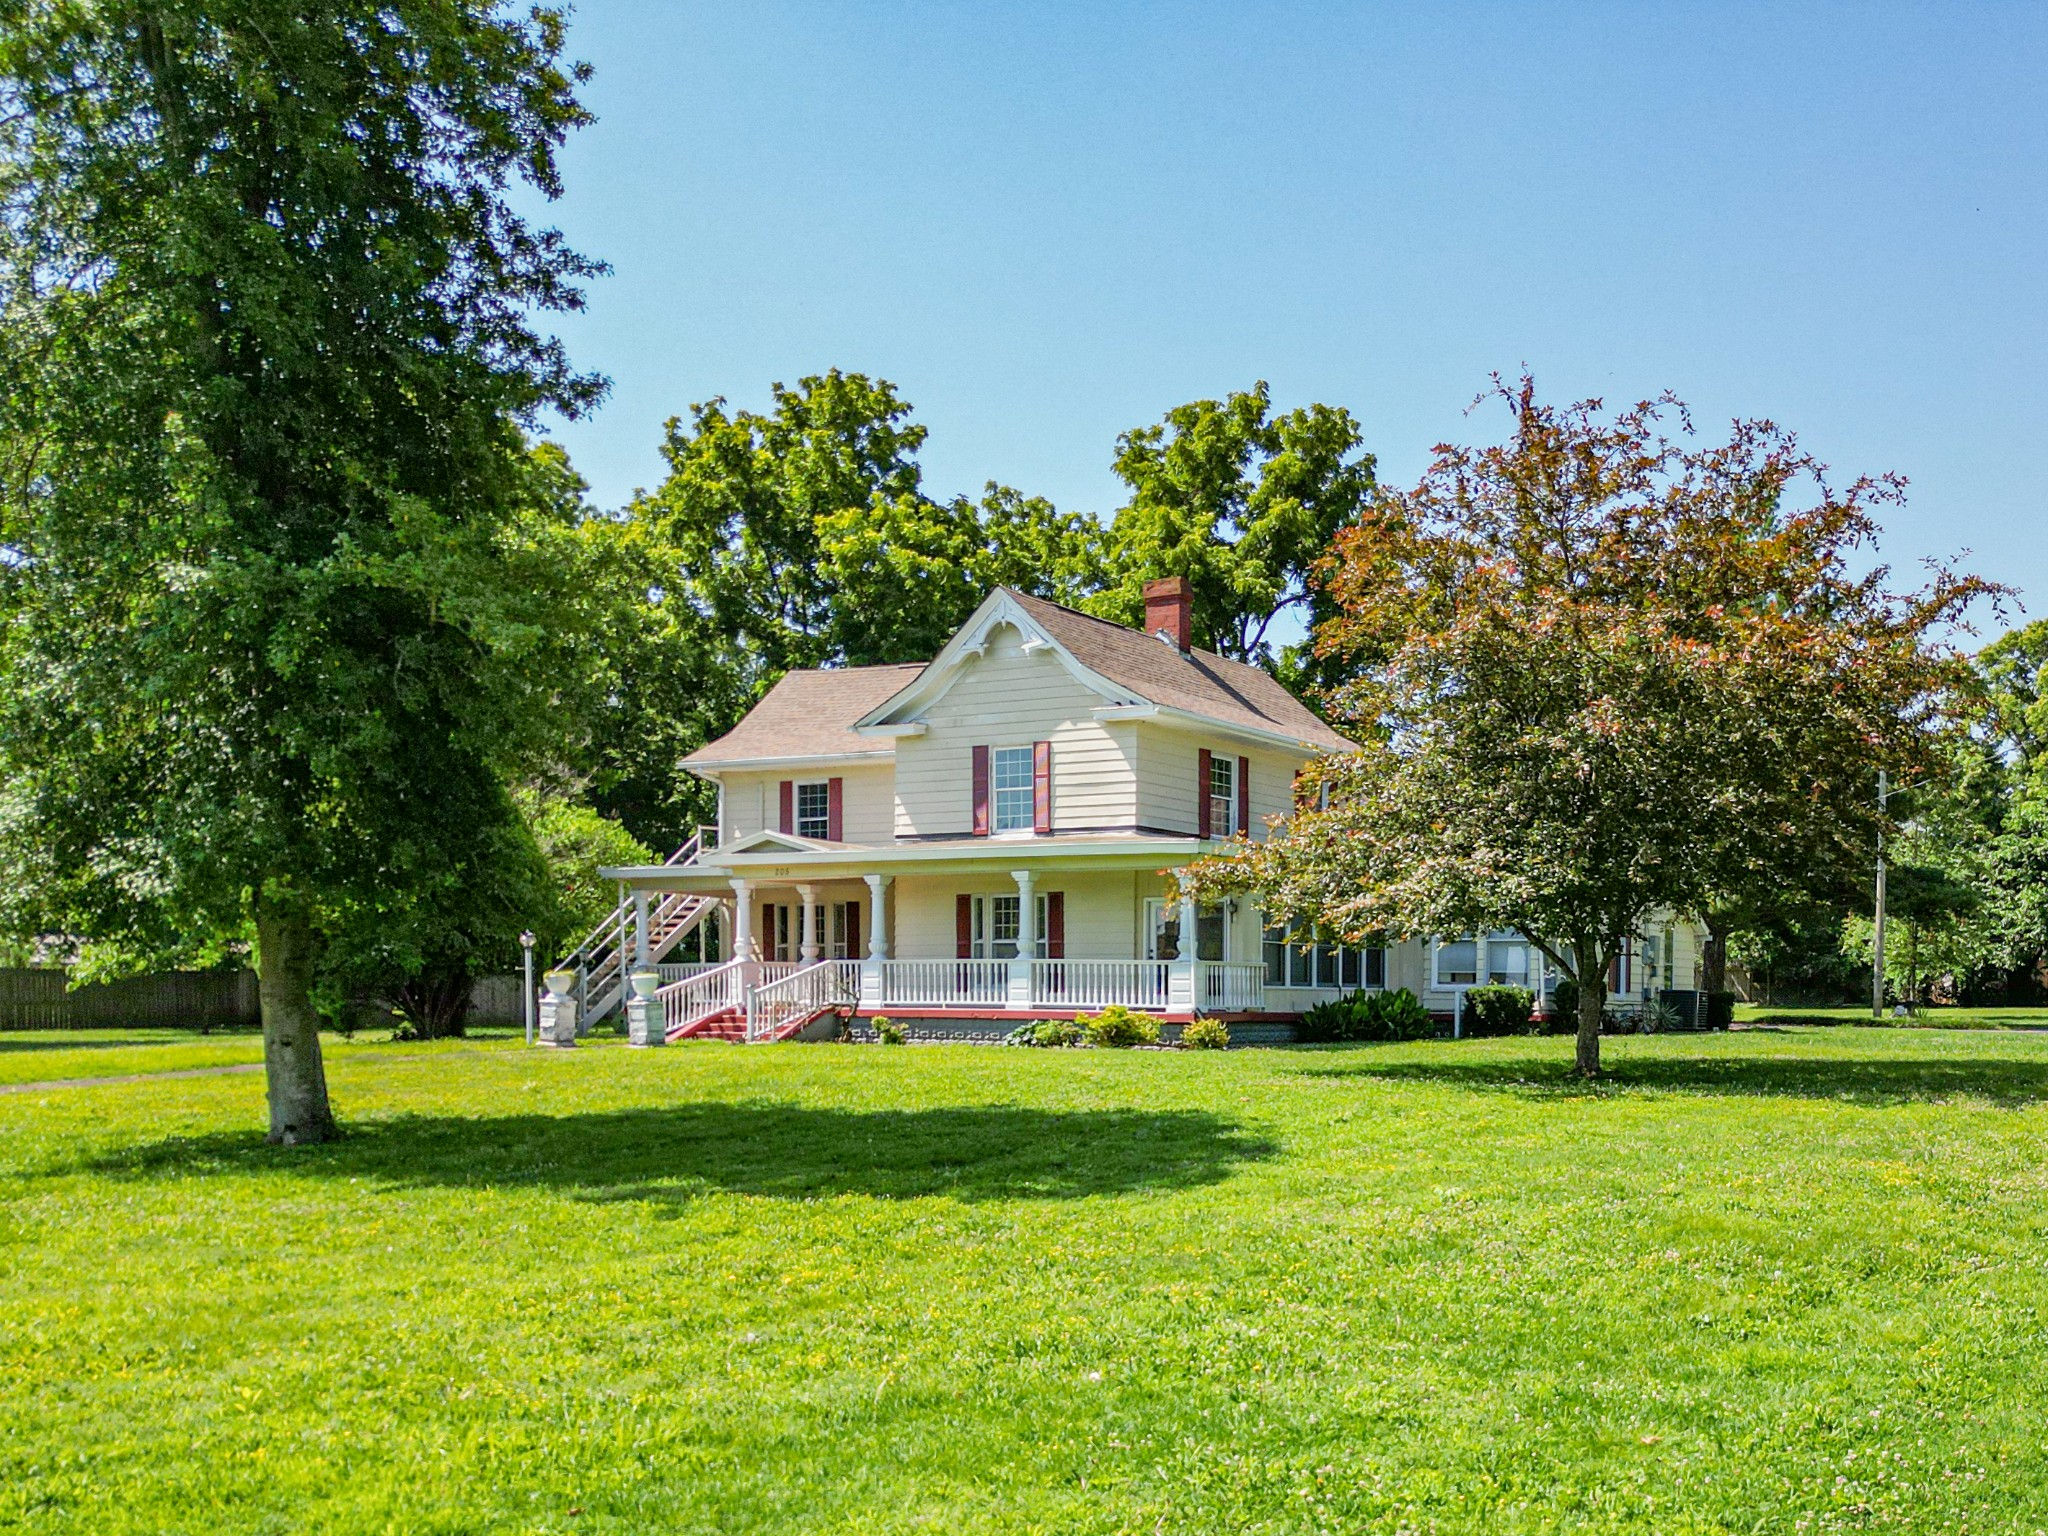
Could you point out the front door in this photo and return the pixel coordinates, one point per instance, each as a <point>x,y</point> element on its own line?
<point>1162,930</point>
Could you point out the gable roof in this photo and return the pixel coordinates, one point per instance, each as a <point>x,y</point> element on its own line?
<point>1198,683</point>
<point>809,714</point>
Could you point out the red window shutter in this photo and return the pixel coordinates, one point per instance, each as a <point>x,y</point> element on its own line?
<point>1244,796</point>
<point>981,791</point>
<point>854,938</point>
<point>788,823</point>
<point>1202,793</point>
<point>835,810</point>
<point>963,926</point>
<point>1302,797</point>
<point>1055,925</point>
<point>1041,786</point>
<point>770,940</point>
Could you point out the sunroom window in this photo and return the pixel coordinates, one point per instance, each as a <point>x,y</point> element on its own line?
<point>1294,959</point>
<point>1457,962</point>
<point>1507,960</point>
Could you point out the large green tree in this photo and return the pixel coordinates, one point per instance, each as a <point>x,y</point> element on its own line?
<point>1568,693</point>
<point>1245,504</point>
<point>273,602</point>
<point>805,532</point>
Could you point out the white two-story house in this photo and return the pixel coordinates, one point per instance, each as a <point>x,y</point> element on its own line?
<point>987,838</point>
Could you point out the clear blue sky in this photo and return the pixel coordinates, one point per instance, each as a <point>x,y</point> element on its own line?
<point>1048,224</point>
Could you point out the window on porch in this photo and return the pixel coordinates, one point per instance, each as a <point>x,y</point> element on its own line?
<point>995,927</point>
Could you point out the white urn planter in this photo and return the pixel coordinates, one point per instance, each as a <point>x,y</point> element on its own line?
<point>562,983</point>
<point>645,984</point>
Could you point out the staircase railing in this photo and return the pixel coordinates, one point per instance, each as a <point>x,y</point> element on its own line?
<point>698,997</point>
<point>776,1005</point>
<point>604,958</point>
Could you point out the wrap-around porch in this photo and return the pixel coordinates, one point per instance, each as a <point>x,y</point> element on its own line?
<point>791,933</point>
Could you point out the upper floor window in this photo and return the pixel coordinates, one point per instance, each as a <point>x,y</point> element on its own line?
<point>814,809</point>
<point>1011,772</point>
<point>1223,796</point>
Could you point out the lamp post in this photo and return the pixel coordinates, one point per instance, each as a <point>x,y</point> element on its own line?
<point>526,944</point>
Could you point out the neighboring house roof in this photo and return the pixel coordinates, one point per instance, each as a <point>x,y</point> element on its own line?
<point>1201,682</point>
<point>809,714</point>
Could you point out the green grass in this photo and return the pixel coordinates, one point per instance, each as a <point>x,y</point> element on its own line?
<point>43,1055</point>
<point>1776,1281</point>
<point>1927,1018</point>
<point>59,1055</point>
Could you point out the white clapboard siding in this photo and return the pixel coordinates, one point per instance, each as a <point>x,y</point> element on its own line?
<point>753,800</point>
<point>1103,911</point>
<point>1009,698</point>
<point>1169,758</point>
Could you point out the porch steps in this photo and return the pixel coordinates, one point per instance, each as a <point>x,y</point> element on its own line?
<point>730,1025</point>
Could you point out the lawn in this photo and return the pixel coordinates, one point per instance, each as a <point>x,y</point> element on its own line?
<point>1928,1018</point>
<point>1777,1281</point>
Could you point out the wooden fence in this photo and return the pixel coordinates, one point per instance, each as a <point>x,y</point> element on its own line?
<point>43,999</point>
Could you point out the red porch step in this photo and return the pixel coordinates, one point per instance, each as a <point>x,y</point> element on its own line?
<point>728,1024</point>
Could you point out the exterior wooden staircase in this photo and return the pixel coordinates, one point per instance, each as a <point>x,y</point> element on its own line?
<point>607,954</point>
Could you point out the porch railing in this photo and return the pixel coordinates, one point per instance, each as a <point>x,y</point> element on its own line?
<point>1229,986</point>
<point>671,974</point>
<point>806,990</point>
<point>946,983</point>
<point>697,997</point>
<point>1099,983</point>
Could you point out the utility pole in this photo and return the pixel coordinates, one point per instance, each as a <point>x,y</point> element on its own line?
<point>1877,931</point>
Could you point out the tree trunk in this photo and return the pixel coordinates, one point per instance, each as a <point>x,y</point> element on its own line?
<point>295,1077</point>
<point>1592,981</point>
<point>1714,959</point>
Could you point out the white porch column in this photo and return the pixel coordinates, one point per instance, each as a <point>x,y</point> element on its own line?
<point>1027,940</point>
<point>1180,976</point>
<point>871,995</point>
<point>743,920</point>
<point>643,940</point>
<point>878,927</point>
<point>808,950</point>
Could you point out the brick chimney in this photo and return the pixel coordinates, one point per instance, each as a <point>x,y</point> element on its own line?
<point>1170,611</point>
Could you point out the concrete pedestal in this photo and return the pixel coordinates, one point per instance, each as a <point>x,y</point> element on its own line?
<point>646,1022</point>
<point>557,1020</point>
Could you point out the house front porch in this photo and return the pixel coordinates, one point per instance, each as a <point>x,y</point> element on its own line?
<point>986,933</point>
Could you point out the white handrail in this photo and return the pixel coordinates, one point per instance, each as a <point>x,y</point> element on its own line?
<point>806,991</point>
<point>697,997</point>
<point>687,854</point>
<point>1230,986</point>
<point>683,970</point>
<point>946,983</point>
<point>1099,983</point>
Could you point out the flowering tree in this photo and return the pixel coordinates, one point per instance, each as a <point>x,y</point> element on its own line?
<point>1599,673</point>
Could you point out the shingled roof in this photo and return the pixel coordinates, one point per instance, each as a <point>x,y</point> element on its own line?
<point>810,714</point>
<point>1200,682</point>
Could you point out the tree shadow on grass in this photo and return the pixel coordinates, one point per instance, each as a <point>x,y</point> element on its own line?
<point>675,1154</point>
<point>2011,1084</point>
